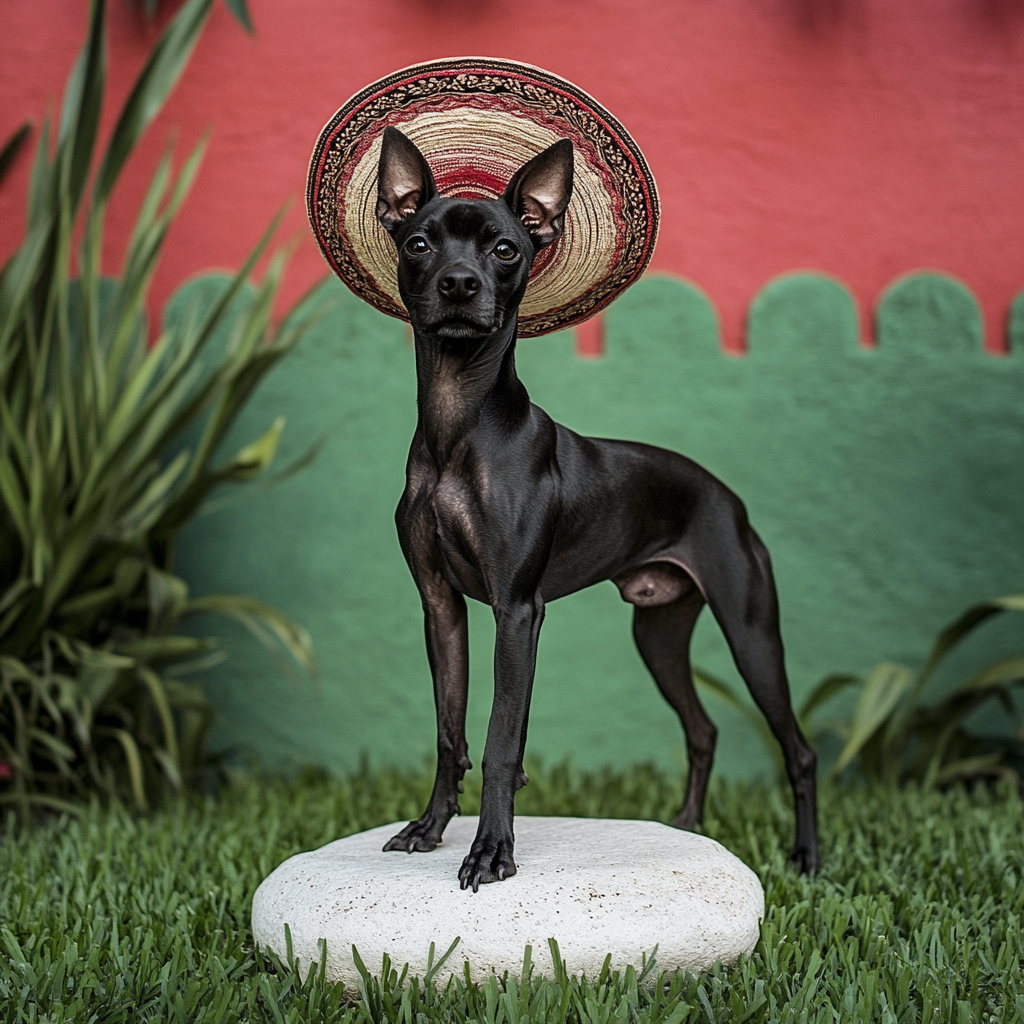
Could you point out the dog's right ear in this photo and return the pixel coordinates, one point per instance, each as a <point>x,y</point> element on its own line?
<point>404,181</point>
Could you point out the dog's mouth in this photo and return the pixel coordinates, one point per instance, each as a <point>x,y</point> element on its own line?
<point>462,326</point>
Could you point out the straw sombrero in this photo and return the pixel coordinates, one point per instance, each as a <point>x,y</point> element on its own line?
<point>477,120</point>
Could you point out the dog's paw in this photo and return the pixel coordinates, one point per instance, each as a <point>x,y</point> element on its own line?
<point>418,836</point>
<point>488,860</point>
<point>805,859</point>
<point>687,819</point>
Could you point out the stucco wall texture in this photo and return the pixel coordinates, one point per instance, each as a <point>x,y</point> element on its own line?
<point>862,138</point>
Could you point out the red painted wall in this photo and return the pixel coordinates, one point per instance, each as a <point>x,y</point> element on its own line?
<point>865,138</point>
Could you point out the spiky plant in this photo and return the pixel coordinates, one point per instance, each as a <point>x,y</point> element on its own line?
<point>108,445</point>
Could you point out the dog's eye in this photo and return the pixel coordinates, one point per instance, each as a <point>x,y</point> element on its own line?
<point>417,246</point>
<point>506,251</point>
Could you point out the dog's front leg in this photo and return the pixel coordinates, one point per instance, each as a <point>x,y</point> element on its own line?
<point>444,610</point>
<point>515,658</point>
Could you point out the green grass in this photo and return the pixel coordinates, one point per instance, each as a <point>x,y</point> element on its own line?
<point>915,915</point>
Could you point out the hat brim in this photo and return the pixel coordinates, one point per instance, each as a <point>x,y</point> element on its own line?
<point>477,120</point>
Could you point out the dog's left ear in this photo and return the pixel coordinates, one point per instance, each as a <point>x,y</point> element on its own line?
<point>539,192</point>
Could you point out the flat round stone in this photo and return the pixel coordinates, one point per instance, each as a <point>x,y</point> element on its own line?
<point>597,886</point>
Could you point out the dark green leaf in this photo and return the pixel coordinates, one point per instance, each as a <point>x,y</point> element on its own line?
<point>964,624</point>
<point>259,618</point>
<point>12,147</point>
<point>83,100</point>
<point>151,89</point>
<point>824,691</point>
<point>885,685</point>
<point>240,10</point>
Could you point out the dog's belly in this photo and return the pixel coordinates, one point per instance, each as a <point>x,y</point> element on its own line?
<point>652,574</point>
<point>621,507</point>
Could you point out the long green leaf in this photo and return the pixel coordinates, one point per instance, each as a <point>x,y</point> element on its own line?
<point>150,505</point>
<point>140,264</point>
<point>259,617</point>
<point>14,499</point>
<point>950,636</point>
<point>134,762</point>
<point>162,650</point>
<point>254,458</point>
<point>40,191</point>
<point>823,692</point>
<point>157,79</point>
<point>964,624</point>
<point>1007,670</point>
<point>971,767</point>
<point>884,687</point>
<point>155,685</point>
<point>83,100</point>
<point>20,277</point>
<point>59,752</point>
<point>296,466</point>
<point>12,147</point>
<point>240,10</point>
<point>51,803</point>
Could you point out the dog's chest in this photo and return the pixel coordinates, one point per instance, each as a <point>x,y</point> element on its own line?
<point>456,505</point>
<point>457,515</point>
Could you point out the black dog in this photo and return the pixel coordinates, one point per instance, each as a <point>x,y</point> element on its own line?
<point>503,505</point>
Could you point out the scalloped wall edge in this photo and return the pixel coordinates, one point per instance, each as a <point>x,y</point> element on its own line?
<point>921,294</point>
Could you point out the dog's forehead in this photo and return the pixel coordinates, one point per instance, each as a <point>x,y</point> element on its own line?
<point>478,219</point>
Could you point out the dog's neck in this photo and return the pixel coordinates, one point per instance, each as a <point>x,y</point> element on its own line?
<point>459,383</point>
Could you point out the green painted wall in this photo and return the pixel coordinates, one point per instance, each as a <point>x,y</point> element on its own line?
<point>887,483</point>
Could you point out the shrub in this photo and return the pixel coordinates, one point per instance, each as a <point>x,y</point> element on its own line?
<point>97,474</point>
<point>893,736</point>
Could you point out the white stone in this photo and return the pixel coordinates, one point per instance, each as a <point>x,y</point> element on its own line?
<point>597,886</point>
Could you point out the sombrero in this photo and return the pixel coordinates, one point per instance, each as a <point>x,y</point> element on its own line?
<point>477,120</point>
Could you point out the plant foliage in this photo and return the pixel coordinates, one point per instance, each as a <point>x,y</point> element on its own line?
<point>12,147</point>
<point>97,474</point>
<point>893,736</point>
<point>239,8</point>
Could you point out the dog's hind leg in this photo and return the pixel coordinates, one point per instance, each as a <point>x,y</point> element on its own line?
<point>733,568</point>
<point>662,634</point>
<point>448,653</point>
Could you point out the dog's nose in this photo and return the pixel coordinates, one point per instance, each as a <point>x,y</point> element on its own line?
<point>459,285</point>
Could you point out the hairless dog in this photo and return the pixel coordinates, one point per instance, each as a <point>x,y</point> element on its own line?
<point>506,506</point>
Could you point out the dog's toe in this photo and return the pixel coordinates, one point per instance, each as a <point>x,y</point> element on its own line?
<point>487,861</point>
<point>417,837</point>
<point>805,860</point>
